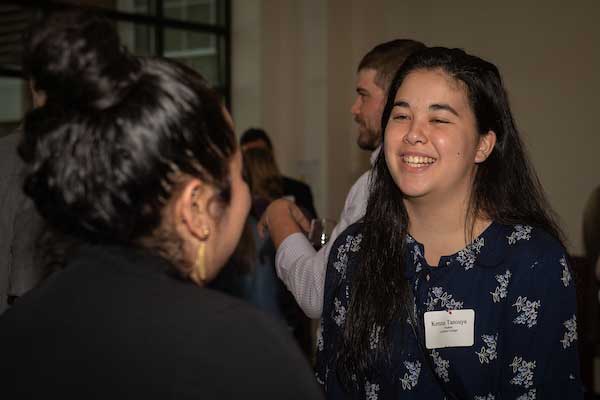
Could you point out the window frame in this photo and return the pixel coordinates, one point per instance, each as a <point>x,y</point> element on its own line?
<point>157,21</point>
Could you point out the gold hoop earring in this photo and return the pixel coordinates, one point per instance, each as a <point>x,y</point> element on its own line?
<point>201,261</point>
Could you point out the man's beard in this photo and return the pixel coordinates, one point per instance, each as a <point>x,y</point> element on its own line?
<point>368,139</point>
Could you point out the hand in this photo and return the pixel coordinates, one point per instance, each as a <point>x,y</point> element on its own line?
<point>282,218</point>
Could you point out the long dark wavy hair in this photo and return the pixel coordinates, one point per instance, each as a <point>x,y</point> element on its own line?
<point>505,189</point>
<point>108,148</point>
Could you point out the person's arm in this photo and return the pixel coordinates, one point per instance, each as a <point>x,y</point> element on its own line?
<point>539,350</point>
<point>282,218</point>
<point>299,266</point>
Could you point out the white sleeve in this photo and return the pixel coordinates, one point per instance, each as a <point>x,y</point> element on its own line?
<point>302,269</point>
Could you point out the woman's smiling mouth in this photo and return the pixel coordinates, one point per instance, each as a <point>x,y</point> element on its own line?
<point>417,161</point>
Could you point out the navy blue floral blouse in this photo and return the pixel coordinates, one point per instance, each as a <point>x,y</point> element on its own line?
<point>517,281</point>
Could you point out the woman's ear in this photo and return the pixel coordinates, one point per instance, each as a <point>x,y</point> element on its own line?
<point>191,210</point>
<point>485,146</point>
<point>38,97</point>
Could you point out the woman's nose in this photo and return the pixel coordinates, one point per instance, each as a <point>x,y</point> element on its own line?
<point>415,134</point>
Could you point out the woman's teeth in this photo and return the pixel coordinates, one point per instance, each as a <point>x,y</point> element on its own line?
<point>418,161</point>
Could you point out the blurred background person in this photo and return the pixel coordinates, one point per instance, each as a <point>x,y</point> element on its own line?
<point>295,190</point>
<point>138,158</point>
<point>20,226</point>
<point>26,241</point>
<point>264,177</point>
<point>264,289</point>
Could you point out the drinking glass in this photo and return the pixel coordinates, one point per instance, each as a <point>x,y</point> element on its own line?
<point>320,231</point>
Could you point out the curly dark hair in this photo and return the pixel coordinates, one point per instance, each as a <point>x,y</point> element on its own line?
<point>117,133</point>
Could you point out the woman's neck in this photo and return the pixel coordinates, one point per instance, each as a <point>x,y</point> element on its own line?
<point>442,226</point>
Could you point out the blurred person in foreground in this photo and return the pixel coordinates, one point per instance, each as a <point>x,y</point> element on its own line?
<point>137,157</point>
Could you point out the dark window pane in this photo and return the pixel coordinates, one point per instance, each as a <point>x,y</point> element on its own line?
<point>202,51</point>
<point>145,7</point>
<point>12,91</point>
<point>138,38</point>
<point>14,21</point>
<point>202,11</point>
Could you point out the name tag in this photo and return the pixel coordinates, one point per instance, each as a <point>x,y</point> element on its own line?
<point>455,328</point>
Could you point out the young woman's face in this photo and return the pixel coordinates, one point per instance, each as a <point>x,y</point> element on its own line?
<point>431,144</point>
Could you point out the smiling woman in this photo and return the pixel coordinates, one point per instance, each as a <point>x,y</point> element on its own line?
<point>457,234</point>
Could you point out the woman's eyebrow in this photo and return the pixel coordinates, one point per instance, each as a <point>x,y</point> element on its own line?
<point>443,107</point>
<point>401,103</point>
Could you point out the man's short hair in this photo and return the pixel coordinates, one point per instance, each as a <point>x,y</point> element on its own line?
<point>386,58</point>
<point>255,134</point>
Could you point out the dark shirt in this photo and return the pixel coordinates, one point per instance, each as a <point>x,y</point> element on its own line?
<point>517,281</point>
<point>260,286</point>
<point>302,194</point>
<point>117,324</point>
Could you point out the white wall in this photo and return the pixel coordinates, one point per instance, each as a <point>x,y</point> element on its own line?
<point>294,66</point>
<point>280,82</point>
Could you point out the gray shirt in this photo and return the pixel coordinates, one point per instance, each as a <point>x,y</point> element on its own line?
<point>20,226</point>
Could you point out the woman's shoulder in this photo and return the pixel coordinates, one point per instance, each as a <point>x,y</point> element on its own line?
<point>529,243</point>
<point>243,344</point>
<point>353,232</point>
<point>532,253</point>
<point>347,243</point>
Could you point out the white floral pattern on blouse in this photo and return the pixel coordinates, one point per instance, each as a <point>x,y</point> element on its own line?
<point>441,366</point>
<point>523,372</point>
<point>571,332</point>
<point>518,282</point>
<point>566,274</point>
<point>488,397</point>
<point>488,352</point>
<point>371,390</point>
<point>501,290</point>
<point>530,395</point>
<point>417,257</point>
<point>411,377</point>
<point>438,298</point>
<point>467,257</point>
<point>521,232</point>
<point>340,313</point>
<point>528,311</point>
